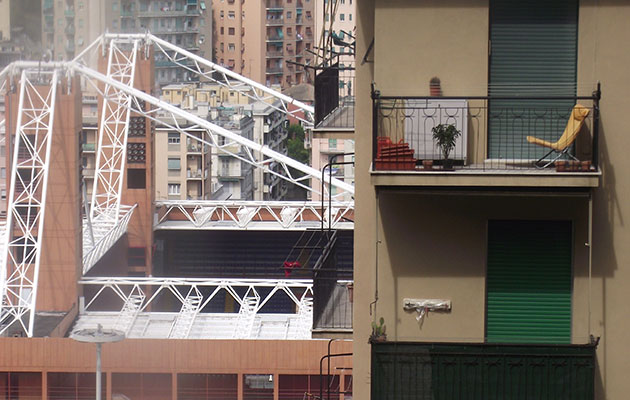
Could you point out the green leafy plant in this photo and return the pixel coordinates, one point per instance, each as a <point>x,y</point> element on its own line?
<point>445,136</point>
<point>378,330</point>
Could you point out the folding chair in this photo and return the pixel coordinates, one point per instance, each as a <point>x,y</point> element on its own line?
<point>563,145</point>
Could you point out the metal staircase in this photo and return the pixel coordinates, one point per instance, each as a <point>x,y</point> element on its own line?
<point>129,313</point>
<point>186,318</point>
<point>247,314</point>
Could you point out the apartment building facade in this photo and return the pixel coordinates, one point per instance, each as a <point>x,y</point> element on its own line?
<point>494,276</point>
<point>257,38</point>
<point>69,26</point>
<point>218,174</point>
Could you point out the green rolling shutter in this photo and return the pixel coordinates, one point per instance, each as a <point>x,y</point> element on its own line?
<point>533,52</point>
<point>529,282</point>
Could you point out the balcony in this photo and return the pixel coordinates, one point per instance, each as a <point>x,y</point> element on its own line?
<point>334,101</point>
<point>88,147</point>
<point>274,71</point>
<point>48,7</point>
<point>274,6</point>
<point>495,146</point>
<point>403,370</point>
<point>275,54</point>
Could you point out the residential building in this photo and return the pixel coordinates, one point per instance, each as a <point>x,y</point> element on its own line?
<point>223,175</point>
<point>69,26</point>
<point>499,276</point>
<point>182,164</point>
<point>335,157</point>
<point>334,96</point>
<point>270,129</point>
<point>261,39</point>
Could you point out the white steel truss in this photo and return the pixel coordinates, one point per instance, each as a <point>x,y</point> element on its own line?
<point>99,237</point>
<point>209,71</point>
<point>112,136</point>
<point>208,214</point>
<point>251,149</point>
<point>27,199</point>
<point>138,312</point>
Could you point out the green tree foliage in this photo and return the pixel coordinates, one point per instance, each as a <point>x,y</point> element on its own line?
<point>295,144</point>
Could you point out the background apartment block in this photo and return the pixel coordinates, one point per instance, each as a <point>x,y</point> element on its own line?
<point>71,25</point>
<point>270,130</point>
<point>210,174</point>
<point>257,38</point>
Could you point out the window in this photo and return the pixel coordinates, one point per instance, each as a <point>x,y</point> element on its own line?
<point>174,163</point>
<point>350,17</point>
<point>173,138</point>
<point>231,47</point>
<point>174,188</point>
<point>231,14</point>
<point>115,6</point>
<point>3,173</point>
<point>222,30</point>
<point>528,281</point>
<point>231,31</point>
<point>136,178</point>
<point>332,143</point>
<point>327,17</point>
<point>289,15</point>
<point>3,194</point>
<point>221,14</point>
<point>342,17</point>
<point>551,29</point>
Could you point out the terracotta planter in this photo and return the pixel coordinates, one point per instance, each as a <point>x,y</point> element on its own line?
<point>585,166</point>
<point>427,165</point>
<point>561,166</point>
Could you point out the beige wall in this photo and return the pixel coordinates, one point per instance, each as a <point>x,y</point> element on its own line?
<point>449,39</point>
<point>436,39</point>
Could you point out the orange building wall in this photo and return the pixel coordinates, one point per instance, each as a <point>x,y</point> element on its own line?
<point>274,357</point>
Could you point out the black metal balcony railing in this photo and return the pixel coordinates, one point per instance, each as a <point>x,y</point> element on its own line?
<point>494,131</point>
<point>405,371</point>
<point>334,97</point>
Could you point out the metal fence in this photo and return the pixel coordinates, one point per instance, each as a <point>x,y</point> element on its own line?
<point>334,97</point>
<point>405,371</point>
<point>494,133</point>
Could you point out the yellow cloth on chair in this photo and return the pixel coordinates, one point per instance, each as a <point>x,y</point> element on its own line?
<point>578,115</point>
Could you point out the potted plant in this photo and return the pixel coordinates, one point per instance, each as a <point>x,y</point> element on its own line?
<point>378,331</point>
<point>445,136</point>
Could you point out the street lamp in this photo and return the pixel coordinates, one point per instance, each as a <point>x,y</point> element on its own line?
<point>98,336</point>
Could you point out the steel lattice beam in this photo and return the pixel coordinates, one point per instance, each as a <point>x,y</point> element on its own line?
<point>27,199</point>
<point>112,137</point>
<point>139,295</point>
<point>243,214</point>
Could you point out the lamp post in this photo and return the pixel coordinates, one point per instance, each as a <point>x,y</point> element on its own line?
<point>98,336</point>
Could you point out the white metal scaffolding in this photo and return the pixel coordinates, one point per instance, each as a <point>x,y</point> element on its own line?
<point>107,218</point>
<point>27,199</point>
